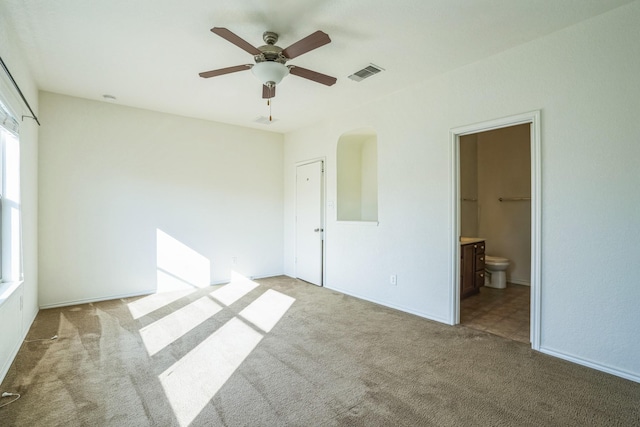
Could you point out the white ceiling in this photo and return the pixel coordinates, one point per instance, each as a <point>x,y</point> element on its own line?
<point>148,53</point>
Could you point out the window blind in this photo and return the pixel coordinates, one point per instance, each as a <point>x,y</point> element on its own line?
<point>7,121</point>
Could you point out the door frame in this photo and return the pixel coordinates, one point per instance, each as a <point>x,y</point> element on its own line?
<point>533,118</point>
<point>323,215</point>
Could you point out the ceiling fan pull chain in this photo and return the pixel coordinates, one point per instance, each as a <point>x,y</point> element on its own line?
<point>269,102</point>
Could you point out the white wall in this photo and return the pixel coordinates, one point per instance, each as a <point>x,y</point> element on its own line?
<point>357,176</point>
<point>115,181</point>
<point>585,81</point>
<point>16,318</point>
<point>349,173</point>
<point>369,179</point>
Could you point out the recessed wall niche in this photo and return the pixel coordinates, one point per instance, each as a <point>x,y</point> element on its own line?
<point>357,165</point>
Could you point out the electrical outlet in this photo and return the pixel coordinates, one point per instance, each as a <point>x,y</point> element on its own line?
<point>393,279</point>
<point>234,260</point>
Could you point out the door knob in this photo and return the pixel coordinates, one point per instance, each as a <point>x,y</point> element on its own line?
<point>317,229</point>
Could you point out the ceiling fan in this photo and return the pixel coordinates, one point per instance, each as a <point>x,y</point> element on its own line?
<point>270,59</point>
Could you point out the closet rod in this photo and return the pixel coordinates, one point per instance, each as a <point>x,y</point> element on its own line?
<point>513,199</point>
<point>6,70</point>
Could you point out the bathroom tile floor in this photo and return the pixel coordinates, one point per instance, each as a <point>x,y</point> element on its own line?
<point>503,312</point>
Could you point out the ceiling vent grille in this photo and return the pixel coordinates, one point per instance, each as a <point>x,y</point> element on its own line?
<point>366,72</point>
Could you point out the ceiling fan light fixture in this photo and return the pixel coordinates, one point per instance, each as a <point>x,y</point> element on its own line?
<point>270,72</point>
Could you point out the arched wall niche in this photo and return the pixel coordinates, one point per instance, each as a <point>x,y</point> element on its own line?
<point>357,170</point>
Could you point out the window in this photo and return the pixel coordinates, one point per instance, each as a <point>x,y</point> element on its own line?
<point>10,226</point>
<point>357,164</point>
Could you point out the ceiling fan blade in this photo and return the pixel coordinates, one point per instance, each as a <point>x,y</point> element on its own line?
<point>268,92</point>
<point>312,75</point>
<point>221,71</point>
<point>308,43</point>
<point>231,37</point>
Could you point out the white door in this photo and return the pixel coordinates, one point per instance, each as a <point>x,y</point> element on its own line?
<point>309,224</point>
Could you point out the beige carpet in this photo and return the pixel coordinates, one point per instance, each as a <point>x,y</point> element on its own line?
<point>286,353</point>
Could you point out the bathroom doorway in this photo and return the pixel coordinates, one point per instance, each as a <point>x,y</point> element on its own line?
<point>497,208</point>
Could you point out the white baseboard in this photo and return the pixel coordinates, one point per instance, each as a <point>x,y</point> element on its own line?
<point>135,294</point>
<point>394,306</point>
<point>593,365</point>
<point>266,276</point>
<point>97,299</point>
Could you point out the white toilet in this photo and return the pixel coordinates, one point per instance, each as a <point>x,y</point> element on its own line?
<point>495,268</point>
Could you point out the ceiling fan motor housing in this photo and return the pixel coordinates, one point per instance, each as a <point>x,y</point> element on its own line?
<point>270,37</point>
<point>270,52</point>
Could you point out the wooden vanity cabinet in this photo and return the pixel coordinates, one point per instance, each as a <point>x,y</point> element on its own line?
<point>471,268</point>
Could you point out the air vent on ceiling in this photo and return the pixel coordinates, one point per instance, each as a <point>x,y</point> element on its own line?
<point>368,71</point>
<point>264,120</point>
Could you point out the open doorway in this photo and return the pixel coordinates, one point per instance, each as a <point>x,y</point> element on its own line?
<point>495,223</point>
<point>497,235</point>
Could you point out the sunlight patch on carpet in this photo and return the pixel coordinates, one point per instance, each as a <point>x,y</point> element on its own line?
<point>193,381</point>
<point>196,378</point>
<point>234,290</point>
<point>267,309</point>
<point>163,332</point>
<point>143,306</point>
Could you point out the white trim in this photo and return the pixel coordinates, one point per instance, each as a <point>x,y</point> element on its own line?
<point>589,364</point>
<point>323,195</point>
<point>23,333</point>
<point>100,299</point>
<point>519,282</point>
<point>533,118</point>
<point>454,245</point>
<point>536,230</point>
<point>265,276</point>
<point>138,294</point>
<point>310,161</point>
<point>7,289</point>
<point>14,352</point>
